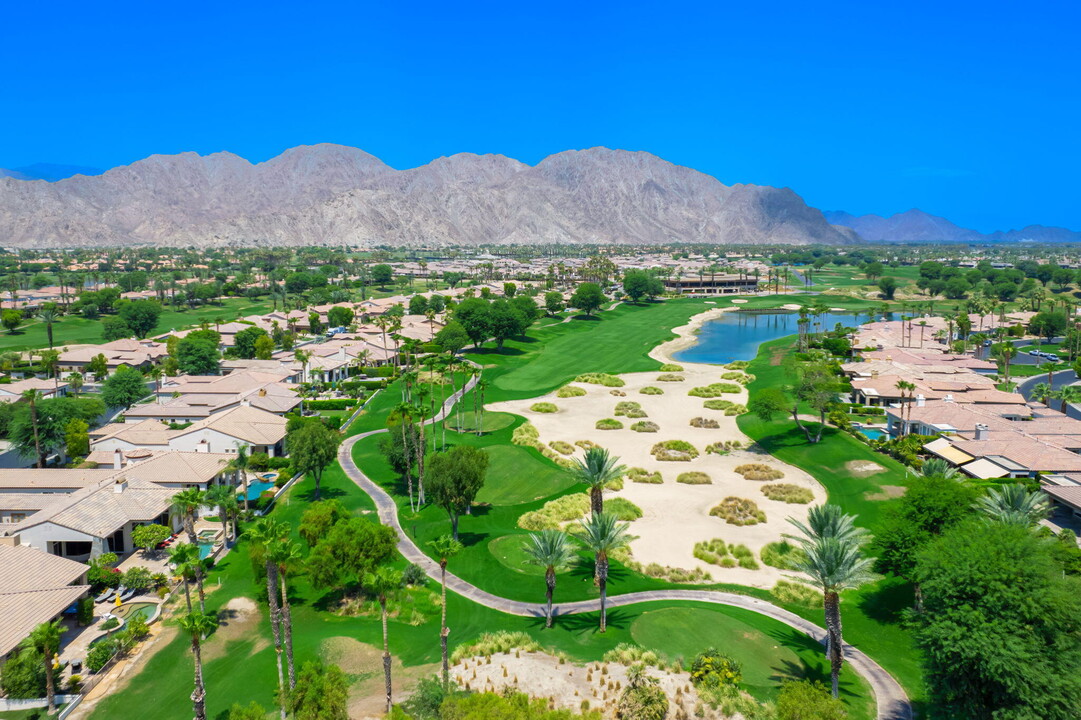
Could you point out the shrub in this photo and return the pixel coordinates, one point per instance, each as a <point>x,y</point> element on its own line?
<point>627,654</point>
<point>714,390</point>
<point>414,575</point>
<point>552,513</point>
<point>23,675</point>
<point>564,448</point>
<point>674,451</point>
<point>741,378</point>
<point>641,475</point>
<point>717,404</point>
<point>110,624</point>
<point>498,642</point>
<point>615,484</point>
<point>744,556</point>
<point>738,511</point>
<point>335,404</point>
<point>101,653</point>
<point>84,611</point>
<point>738,365</point>
<point>782,554</point>
<point>800,699</point>
<point>544,407</point>
<point>709,423</point>
<point>630,409</point>
<point>609,424</point>
<point>671,367</point>
<point>617,393</point>
<point>585,444</point>
<point>713,669</point>
<point>525,434</point>
<point>258,462</point>
<point>137,578</point>
<point>787,492</point>
<point>759,471</point>
<point>796,593</point>
<point>694,478</point>
<point>723,447</point>
<point>651,390</point>
<point>135,628</point>
<point>711,551</point>
<point>671,574</point>
<point>622,508</point>
<point>569,391</point>
<point>645,426</point>
<point>670,377</point>
<point>735,409</point>
<point>601,379</point>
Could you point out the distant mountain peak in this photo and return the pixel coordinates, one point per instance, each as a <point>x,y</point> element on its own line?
<point>916,226</point>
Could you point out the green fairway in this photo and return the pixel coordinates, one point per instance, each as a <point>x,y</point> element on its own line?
<point>515,477</point>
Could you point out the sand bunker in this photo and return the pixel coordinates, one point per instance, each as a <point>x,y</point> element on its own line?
<point>863,468</point>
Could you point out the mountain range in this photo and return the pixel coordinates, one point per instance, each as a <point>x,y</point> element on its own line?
<point>916,226</point>
<point>336,195</point>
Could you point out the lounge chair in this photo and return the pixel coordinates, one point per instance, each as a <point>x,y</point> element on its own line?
<point>105,595</point>
<point>127,595</point>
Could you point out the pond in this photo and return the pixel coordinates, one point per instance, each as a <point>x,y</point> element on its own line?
<point>737,335</point>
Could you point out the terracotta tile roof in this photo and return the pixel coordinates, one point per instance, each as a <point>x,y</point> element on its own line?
<point>251,424</point>
<point>101,510</point>
<point>50,478</point>
<point>21,612</point>
<point>26,568</point>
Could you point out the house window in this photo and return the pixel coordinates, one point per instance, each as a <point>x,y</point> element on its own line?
<point>74,549</point>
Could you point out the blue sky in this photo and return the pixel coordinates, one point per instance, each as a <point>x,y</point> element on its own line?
<point>968,110</point>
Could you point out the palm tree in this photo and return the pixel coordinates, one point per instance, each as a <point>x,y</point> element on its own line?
<point>551,550</point>
<point>239,465</point>
<point>187,504</point>
<point>32,397</point>
<point>828,521</point>
<point>45,639</point>
<point>264,535</point>
<point>198,625</point>
<point>303,357</point>
<point>938,468</point>
<point>286,554</point>
<point>604,534</point>
<point>1069,394</point>
<point>596,469</point>
<point>1014,505</point>
<point>223,498</point>
<point>1043,391</point>
<point>444,547</point>
<point>49,316</point>
<point>184,557</point>
<point>75,382</point>
<point>382,583</point>
<point>1049,368</point>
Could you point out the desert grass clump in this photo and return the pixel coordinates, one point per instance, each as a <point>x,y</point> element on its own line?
<point>651,390</point>
<point>630,409</point>
<point>563,448</point>
<point>609,424</point>
<point>717,404</point>
<point>694,478</point>
<point>623,509</point>
<point>738,365</point>
<point>490,644</point>
<point>569,391</point>
<point>759,471</point>
<point>787,492</point>
<point>641,475</point>
<point>645,426</point>
<point>796,593</point>
<point>735,409</point>
<point>671,574</point>
<point>740,377</point>
<point>671,367</point>
<point>600,379</point>
<point>670,377</point>
<point>744,556</point>
<point>552,513</point>
<point>617,393</point>
<point>525,434</point>
<point>714,390</point>
<point>585,444</point>
<point>615,484</point>
<point>723,447</point>
<point>544,407</point>
<point>782,554</point>
<point>738,511</point>
<point>674,451</point>
<point>708,423</point>
<point>628,654</point>
<point>711,551</point>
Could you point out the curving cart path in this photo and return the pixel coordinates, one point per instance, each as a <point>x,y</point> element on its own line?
<point>890,697</point>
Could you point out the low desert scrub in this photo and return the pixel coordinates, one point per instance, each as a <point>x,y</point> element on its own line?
<point>671,367</point>
<point>645,426</point>
<point>787,492</point>
<point>627,654</point>
<point>723,447</point>
<point>759,471</point>
<point>694,478</point>
<point>781,554</point>
<point>708,423</point>
<point>609,424</point>
<point>714,390</point>
<point>617,393</point>
<point>498,642</point>
<point>614,485</point>
<point>651,390</point>
<point>796,593</point>
<point>744,556</point>
<point>563,448</point>
<point>716,552</point>
<point>641,475</point>
<point>527,434</point>
<point>585,444</point>
<point>671,574</point>
<point>544,407</point>
<point>735,409</point>
<point>738,511</point>
<point>717,404</point>
<point>670,377</point>
<point>569,391</point>
<point>674,451</point>
<point>600,379</point>
<point>552,513</point>
<point>738,365</point>
<point>630,409</point>
<point>741,378</point>
<point>622,508</point>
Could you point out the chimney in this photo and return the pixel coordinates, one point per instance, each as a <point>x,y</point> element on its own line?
<point>262,392</point>
<point>10,540</point>
<point>118,459</point>
<point>245,403</point>
<point>120,485</point>
<point>920,401</point>
<point>981,432</point>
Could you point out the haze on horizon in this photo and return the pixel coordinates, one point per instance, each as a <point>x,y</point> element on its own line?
<point>967,112</point>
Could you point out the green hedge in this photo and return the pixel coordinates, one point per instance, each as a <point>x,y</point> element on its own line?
<point>340,404</point>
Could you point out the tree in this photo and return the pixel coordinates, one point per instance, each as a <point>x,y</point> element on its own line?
<point>381,275</point>
<point>553,302</point>
<point>604,534</point>
<point>833,560</point>
<point>197,356</point>
<point>312,447</point>
<point>140,315</point>
<point>187,504</point>
<point>124,388</point>
<point>75,381</point>
<point>382,583</point>
<point>768,403</point>
<point>873,270</point>
<point>319,518</point>
<point>887,286</point>
<point>22,676</point>
<point>1043,391</point>
<point>551,550</point>
<point>45,640</point>
<point>264,535</point>
<point>98,367</point>
<point>638,284</point>
<point>817,385</point>
<point>444,547</point>
<point>1004,352</point>
<point>48,317</point>
<point>245,342</point>
<point>349,550</point>
<point>198,625</point>
<point>32,398</point>
<point>340,316</point>
<point>148,537</point>
<point>239,465</point>
<point>11,319</point>
<point>596,469</point>
<point>1048,324</point>
<point>587,297</point>
<point>504,321</point>
<point>808,700</point>
<point>454,478</point>
<point>254,711</point>
<point>223,499</point>
<point>474,315</point>
<point>1014,505</point>
<point>114,328</point>
<point>264,347</point>
<point>184,557</point>
<point>321,693</point>
<point>642,699</point>
<point>452,337</point>
<point>1001,634</point>
<point>286,555</point>
<point>77,438</point>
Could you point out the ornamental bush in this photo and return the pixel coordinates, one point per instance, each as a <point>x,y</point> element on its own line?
<point>651,390</point>
<point>645,426</point>
<point>670,377</point>
<point>694,478</point>
<point>781,554</point>
<point>713,669</point>
<point>641,475</point>
<point>671,367</point>
<point>787,492</point>
<point>569,391</point>
<point>630,409</point>
<point>609,424</point>
<point>564,448</point>
<point>738,511</point>
<point>708,423</point>
<point>601,379</point>
<point>759,471</point>
<point>674,451</point>
<point>544,407</point>
<point>714,390</point>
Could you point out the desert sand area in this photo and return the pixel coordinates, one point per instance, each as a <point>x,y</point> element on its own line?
<point>677,515</point>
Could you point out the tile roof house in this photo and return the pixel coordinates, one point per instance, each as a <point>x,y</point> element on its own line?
<point>12,391</point>
<point>37,587</point>
<point>222,432</point>
<point>276,398</point>
<point>141,354</point>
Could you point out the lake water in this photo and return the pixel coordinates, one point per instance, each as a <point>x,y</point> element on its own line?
<point>737,335</point>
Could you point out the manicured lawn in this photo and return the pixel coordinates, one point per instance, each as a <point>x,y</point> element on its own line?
<point>516,477</point>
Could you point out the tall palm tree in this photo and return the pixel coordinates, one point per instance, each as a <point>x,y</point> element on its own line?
<point>1049,368</point>
<point>49,316</point>
<point>604,534</point>
<point>596,469</point>
<point>287,555</point>
<point>264,535</point>
<point>382,583</point>
<point>1069,394</point>
<point>75,382</point>
<point>239,465</point>
<point>32,397</point>
<point>183,557</point>
<point>551,550</point>
<point>828,521</point>
<point>1014,505</point>
<point>445,547</point>
<point>1043,391</point>
<point>198,625</point>
<point>187,504</point>
<point>45,639</point>
<point>303,357</point>
<point>222,498</point>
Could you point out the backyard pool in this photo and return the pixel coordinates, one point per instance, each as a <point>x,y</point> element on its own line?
<point>255,489</point>
<point>873,433</point>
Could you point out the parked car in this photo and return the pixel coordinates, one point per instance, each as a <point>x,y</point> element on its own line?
<point>1036,353</point>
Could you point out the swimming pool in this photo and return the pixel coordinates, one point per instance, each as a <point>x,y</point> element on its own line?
<point>205,548</point>
<point>873,433</point>
<point>255,489</point>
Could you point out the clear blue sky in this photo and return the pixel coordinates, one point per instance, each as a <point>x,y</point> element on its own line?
<point>968,110</point>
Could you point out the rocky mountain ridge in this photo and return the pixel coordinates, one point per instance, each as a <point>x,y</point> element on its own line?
<point>917,226</point>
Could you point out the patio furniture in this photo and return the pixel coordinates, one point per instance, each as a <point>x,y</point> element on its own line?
<point>127,595</point>
<point>105,595</point>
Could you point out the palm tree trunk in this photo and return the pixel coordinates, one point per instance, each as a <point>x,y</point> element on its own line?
<point>275,620</point>
<point>420,465</point>
<point>198,695</point>
<point>596,499</point>
<point>287,628</point>
<point>443,630</point>
<point>604,595</point>
<point>50,684</point>
<point>386,654</point>
<point>244,482</point>
<point>37,438</point>
<point>550,580</point>
<point>832,604</point>
<point>408,464</point>
<point>199,585</point>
